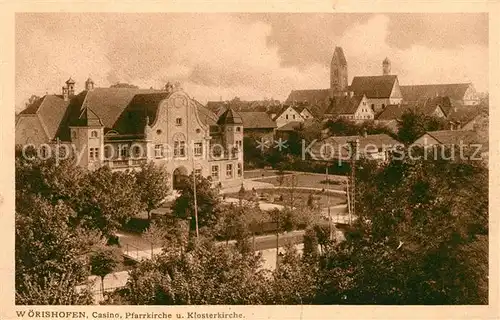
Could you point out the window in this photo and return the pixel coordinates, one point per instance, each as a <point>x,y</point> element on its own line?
<point>287,117</point>
<point>293,116</point>
<point>198,130</point>
<point>215,173</point>
<point>229,171</point>
<point>158,131</point>
<point>62,151</point>
<point>383,105</point>
<point>198,148</point>
<point>197,172</point>
<point>364,103</point>
<point>178,121</point>
<point>159,151</point>
<point>137,151</point>
<point>123,151</point>
<point>94,134</point>
<point>44,152</point>
<point>373,106</point>
<point>179,148</point>
<point>217,150</point>
<point>93,153</point>
<point>239,144</point>
<point>108,151</point>
<point>240,170</point>
<point>238,129</point>
<point>73,134</point>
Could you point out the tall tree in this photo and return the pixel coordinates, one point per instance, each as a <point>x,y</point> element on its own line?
<point>103,260</point>
<point>153,186</point>
<point>414,124</point>
<point>207,198</point>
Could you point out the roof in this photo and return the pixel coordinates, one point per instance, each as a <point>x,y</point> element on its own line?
<point>449,137</point>
<point>299,109</point>
<point>341,144</point>
<point>122,109</point>
<point>344,105</point>
<point>229,117</point>
<point>218,107</point>
<point>454,91</point>
<point>339,54</point>
<point>465,114</point>
<point>256,120</point>
<point>312,97</point>
<point>374,86</point>
<point>428,107</point>
<point>290,126</point>
<point>50,109</point>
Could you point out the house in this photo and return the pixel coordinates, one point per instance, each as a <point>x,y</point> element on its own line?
<point>354,108</point>
<point>466,118</point>
<point>284,132</point>
<point>286,115</point>
<point>257,124</point>
<point>238,105</point>
<point>456,139</point>
<point>459,93</point>
<point>380,91</point>
<point>431,107</point>
<point>125,127</point>
<point>304,112</point>
<point>342,148</point>
<point>316,100</point>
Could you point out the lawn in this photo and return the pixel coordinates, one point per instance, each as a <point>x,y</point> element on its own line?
<point>310,180</point>
<point>322,199</point>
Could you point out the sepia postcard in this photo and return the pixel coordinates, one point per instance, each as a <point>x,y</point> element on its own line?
<point>253,160</point>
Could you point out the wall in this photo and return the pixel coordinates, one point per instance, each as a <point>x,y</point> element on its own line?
<point>291,113</point>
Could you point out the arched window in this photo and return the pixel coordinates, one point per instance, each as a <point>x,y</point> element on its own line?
<point>94,134</point>
<point>179,145</point>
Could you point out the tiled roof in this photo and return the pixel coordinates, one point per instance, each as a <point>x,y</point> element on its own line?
<point>257,120</point>
<point>290,126</point>
<point>373,86</point>
<point>50,109</point>
<point>344,105</point>
<point>121,109</point>
<point>393,111</point>
<point>312,97</point>
<point>449,137</point>
<point>341,144</point>
<point>229,117</point>
<point>218,107</point>
<point>464,114</point>
<point>340,54</point>
<point>454,91</point>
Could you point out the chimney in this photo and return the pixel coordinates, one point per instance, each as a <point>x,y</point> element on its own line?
<point>169,87</point>
<point>89,84</point>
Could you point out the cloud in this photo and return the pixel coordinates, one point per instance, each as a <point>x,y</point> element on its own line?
<point>222,55</point>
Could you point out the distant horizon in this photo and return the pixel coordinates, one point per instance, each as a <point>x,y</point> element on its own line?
<point>250,56</point>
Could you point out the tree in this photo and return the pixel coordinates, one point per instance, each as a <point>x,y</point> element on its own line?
<point>155,234</point>
<point>103,261</point>
<point>56,251</point>
<point>61,289</point>
<point>109,200</point>
<point>208,201</point>
<point>414,124</point>
<point>206,274</point>
<point>152,184</point>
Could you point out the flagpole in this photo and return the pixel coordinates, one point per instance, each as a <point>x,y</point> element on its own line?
<point>194,192</point>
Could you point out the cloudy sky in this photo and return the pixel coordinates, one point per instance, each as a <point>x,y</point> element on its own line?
<point>252,56</point>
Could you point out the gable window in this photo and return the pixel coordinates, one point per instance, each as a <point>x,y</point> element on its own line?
<point>240,170</point>
<point>179,148</point>
<point>215,173</point>
<point>123,151</point>
<point>198,149</point>
<point>287,117</point>
<point>229,170</point>
<point>178,121</point>
<point>159,151</point>
<point>94,134</point>
<point>293,116</point>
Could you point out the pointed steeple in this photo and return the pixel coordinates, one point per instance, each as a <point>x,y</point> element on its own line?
<point>229,117</point>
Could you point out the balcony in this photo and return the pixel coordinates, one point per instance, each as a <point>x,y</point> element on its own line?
<point>125,163</point>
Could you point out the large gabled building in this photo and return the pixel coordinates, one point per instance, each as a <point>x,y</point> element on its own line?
<point>125,127</point>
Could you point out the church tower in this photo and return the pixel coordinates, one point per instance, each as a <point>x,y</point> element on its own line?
<point>386,67</point>
<point>338,73</point>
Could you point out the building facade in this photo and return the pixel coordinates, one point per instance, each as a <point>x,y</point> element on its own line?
<point>124,128</point>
